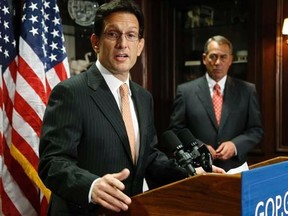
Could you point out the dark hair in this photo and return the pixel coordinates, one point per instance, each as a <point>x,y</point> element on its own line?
<point>220,40</point>
<point>118,6</point>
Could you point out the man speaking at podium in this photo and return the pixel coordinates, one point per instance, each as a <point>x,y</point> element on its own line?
<point>98,135</point>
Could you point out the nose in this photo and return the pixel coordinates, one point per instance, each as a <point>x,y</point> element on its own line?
<point>122,41</point>
<point>218,60</point>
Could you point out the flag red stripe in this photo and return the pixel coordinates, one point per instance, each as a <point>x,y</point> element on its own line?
<point>8,207</point>
<point>13,70</point>
<point>44,207</point>
<point>48,90</point>
<point>20,177</point>
<point>1,98</point>
<point>29,75</point>
<point>27,113</point>
<point>61,71</point>
<point>25,149</point>
<point>8,103</point>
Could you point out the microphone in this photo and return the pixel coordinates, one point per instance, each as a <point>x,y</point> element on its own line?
<point>200,153</point>
<point>175,146</point>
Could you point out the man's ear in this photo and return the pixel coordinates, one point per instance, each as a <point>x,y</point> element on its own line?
<point>204,58</point>
<point>140,46</point>
<point>95,42</point>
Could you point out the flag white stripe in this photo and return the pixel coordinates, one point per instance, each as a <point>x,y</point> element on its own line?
<point>26,132</point>
<point>27,53</point>
<point>15,194</point>
<point>52,78</point>
<point>30,96</point>
<point>10,84</point>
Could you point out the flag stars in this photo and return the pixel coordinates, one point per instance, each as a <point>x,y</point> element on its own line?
<point>46,16</point>
<point>56,21</point>
<point>44,38</point>
<point>6,53</point>
<point>6,25</point>
<point>23,18</point>
<point>54,45</point>
<point>5,10</point>
<point>33,6</point>
<point>6,39</point>
<point>34,31</point>
<point>45,28</point>
<point>55,33</point>
<point>44,50</point>
<point>41,29</point>
<point>56,9</point>
<point>47,4</point>
<point>14,43</point>
<point>52,57</point>
<point>63,49</point>
<point>33,19</point>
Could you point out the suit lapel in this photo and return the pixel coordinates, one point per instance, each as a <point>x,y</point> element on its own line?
<point>204,96</point>
<point>105,100</point>
<point>140,112</point>
<point>230,100</point>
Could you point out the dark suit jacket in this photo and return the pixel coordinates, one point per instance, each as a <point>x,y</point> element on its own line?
<point>84,137</point>
<point>240,119</point>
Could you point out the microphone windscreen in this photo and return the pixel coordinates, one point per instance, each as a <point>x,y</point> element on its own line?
<point>186,137</point>
<point>170,140</point>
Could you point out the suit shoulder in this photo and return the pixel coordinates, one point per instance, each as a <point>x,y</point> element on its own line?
<point>242,83</point>
<point>140,89</point>
<point>191,84</point>
<point>74,82</point>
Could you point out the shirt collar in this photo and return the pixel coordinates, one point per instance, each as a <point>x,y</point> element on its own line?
<point>212,82</point>
<point>112,82</point>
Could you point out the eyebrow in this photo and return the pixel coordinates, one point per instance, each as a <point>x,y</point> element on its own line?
<point>113,26</point>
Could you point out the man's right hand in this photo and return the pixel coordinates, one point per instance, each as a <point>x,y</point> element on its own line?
<point>108,191</point>
<point>212,151</point>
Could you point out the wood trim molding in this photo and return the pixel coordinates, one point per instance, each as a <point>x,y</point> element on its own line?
<point>280,43</point>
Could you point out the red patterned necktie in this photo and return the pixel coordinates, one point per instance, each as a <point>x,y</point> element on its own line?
<point>127,117</point>
<point>217,102</point>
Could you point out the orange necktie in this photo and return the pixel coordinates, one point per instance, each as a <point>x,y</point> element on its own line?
<point>127,117</point>
<point>217,102</point>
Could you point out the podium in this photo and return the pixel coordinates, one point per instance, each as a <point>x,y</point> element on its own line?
<point>216,194</point>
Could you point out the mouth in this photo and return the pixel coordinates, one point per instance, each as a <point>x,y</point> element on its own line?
<point>121,56</point>
<point>217,70</point>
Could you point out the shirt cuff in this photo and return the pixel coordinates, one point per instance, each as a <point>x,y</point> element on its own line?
<point>90,191</point>
<point>235,150</point>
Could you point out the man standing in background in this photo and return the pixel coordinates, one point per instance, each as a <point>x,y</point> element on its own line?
<point>220,111</point>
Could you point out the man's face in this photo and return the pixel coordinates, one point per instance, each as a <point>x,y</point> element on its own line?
<point>117,54</point>
<point>217,60</point>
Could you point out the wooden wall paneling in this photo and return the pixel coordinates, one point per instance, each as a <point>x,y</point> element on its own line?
<point>285,72</point>
<point>161,59</point>
<point>139,71</point>
<point>281,80</point>
<point>254,74</point>
<point>264,69</point>
<point>271,77</point>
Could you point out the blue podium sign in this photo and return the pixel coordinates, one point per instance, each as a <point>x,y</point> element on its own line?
<point>265,191</point>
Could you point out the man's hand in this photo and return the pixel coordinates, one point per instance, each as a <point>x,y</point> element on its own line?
<point>225,151</point>
<point>215,169</point>
<point>212,151</point>
<point>107,191</point>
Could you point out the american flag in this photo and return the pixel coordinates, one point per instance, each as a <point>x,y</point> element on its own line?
<point>29,72</point>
